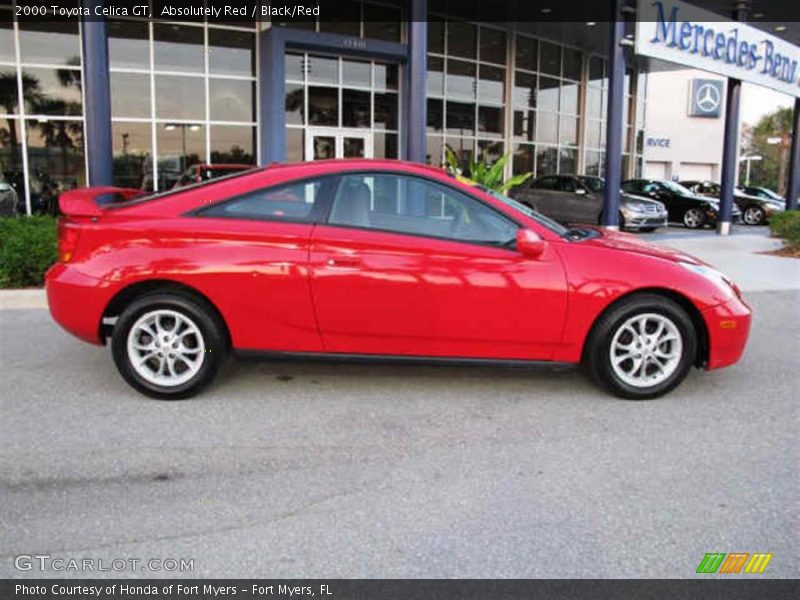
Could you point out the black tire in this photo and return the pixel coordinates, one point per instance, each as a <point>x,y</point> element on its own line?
<point>597,355</point>
<point>198,312</point>
<point>754,215</point>
<point>694,218</point>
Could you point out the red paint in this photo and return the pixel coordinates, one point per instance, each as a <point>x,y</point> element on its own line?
<point>321,288</point>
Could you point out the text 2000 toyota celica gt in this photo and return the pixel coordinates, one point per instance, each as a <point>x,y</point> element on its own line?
<point>378,260</point>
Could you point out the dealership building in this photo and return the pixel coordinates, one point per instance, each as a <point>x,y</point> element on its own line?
<point>135,101</point>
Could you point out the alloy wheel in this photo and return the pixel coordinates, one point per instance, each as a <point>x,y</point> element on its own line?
<point>753,215</point>
<point>693,218</point>
<point>646,350</point>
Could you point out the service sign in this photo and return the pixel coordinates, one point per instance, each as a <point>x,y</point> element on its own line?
<point>683,34</point>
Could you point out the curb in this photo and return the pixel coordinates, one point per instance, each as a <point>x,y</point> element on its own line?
<point>23,299</point>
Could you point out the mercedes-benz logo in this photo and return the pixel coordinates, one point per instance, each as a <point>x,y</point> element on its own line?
<point>708,97</point>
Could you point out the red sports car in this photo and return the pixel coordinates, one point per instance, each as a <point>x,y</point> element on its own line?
<point>376,259</point>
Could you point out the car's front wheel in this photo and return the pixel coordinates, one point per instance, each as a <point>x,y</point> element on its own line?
<point>168,345</point>
<point>642,348</point>
<point>754,215</point>
<point>694,218</point>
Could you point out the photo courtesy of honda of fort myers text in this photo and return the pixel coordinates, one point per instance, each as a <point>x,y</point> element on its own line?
<point>399,299</point>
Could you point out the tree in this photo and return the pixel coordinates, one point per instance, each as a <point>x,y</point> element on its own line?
<point>771,170</point>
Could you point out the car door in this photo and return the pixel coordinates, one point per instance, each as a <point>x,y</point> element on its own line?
<point>579,206</point>
<point>411,266</point>
<point>544,197</point>
<point>252,251</point>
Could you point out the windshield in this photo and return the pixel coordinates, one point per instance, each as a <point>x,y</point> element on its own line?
<point>768,193</point>
<point>677,188</point>
<point>528,212</point>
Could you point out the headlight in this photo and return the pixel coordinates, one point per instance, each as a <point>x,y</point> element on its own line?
<point>722,281</point>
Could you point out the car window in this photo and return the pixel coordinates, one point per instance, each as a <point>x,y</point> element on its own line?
<point>650,187</point>
<point>290,202</point>
<point>416,206</point>
<point>565,184</point>
<point>546,183</point>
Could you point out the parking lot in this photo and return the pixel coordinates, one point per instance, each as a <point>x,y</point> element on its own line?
<point>333,470</point>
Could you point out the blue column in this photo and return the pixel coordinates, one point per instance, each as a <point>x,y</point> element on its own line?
<point>793,189</point>
<point>416,147</point>
<point>97,98</point>
<point>272,87</point>
<point>614,125</point>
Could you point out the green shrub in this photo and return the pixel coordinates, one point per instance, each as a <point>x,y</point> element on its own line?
<point>787,226</point>
<point>28,246</point>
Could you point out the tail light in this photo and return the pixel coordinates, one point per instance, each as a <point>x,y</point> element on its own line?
<point>68,234</point>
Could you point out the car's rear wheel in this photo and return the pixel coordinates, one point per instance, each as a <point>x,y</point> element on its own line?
<point>642,348</point>
<point>694,218</point>
<point>168,345</point>
<point>754,215</point>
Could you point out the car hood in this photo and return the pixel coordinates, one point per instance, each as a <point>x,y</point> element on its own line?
<point>627,197</point>
<point>626,242</point>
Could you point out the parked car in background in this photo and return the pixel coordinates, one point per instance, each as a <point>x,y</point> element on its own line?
<point>762,192</point>
<point>377,259</point>
<point>8,200</point>
<point>205,172</point>
<point>683,205</point>
<point>579,199</point>
<point>755,210</point>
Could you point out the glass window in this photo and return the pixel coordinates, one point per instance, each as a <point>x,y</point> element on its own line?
<point>462,39</point>
<point>386,111</point>
<point>9,91</point>
<point>7,52</point>
<point>522,161</point>
<point>548,93</point>
<point>435,148</point>
<point>130,95</point>
<point>525,124</point>
<point>55,161</point>
<point>568,160</point>
<point>492,84</point>
<point>491,150</point>
<point>569,98</point>
<point>180,145</point>
<point>133,154</point>
<point>527,53</point>
<point>493,45</point>
<point>403,205</point>
<point>295,145</point>
<point>11,167</point>
<point>593,133</point>
<point>180,97</point>
<point>435,76</point>
<point>385,145</point>
<point>49,42</point>
<point>546,160</point>
<point>293,202</point>
<point>524,93</point>
<point>356,73</point>
<point>550,59</point>
<point>463,148</point>
<point>435,35</point>
<point>52,91</point>
<point>231,52</point>
<point>295,104</point>
<point>178,48</point>
<point>128,45</point>
<point>294,67</point>
<point>323,106</point>
<point>382,22</point>
<point>547,128</point>
<point>386,76</point>
<point>461,81</point>
<point>322,69</point>
<point>490,121</point>
<point>435,114</point>
<point>356,108</point>
<point>460,118</point>
<point>232,144</point>
<point>231,99</point>
<point>596,68</point>
<point>573,61</point>
<point>592,163</point>
<point>594,103</point>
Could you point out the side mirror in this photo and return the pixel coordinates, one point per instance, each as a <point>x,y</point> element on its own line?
<point>529,243</point>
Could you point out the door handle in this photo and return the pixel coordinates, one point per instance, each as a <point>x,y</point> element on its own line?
<point>342,263</point>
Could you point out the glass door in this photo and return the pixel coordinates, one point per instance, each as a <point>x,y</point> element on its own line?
<point>335,142</point>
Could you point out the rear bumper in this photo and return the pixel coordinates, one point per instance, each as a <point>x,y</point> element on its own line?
<point>728,327</point>
<point>76,302</point>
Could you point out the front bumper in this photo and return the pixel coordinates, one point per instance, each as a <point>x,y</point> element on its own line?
<point>644,221</point>
<point>76,301</point>
<point>728,328</point>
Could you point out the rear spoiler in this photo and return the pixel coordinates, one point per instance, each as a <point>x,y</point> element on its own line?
<point>90,202</point>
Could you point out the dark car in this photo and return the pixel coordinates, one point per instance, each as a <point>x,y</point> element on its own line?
<point>762,192</point>
<point>755,210</point>
<point>683,205</point>
<point>579,199</point>
<point>205,172</point>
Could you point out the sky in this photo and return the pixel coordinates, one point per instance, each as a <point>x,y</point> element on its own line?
<point>758,101</point>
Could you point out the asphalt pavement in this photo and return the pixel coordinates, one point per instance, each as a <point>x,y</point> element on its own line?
<point>333,470</point>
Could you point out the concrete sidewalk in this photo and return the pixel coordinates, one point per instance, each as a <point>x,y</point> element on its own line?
<point>21,299</point>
